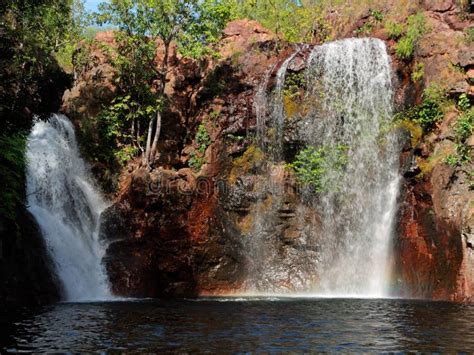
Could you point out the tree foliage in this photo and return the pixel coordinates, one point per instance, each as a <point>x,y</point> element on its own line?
<point>142,26</point>
<point>31,33</point>
<point>12,170</point>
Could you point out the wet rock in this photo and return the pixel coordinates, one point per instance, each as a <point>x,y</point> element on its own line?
<point>27,276</point>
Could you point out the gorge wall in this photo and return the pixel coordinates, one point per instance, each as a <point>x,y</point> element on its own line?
<point>179,231</point>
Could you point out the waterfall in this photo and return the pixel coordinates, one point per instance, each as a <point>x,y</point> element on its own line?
<point>67,207</point>
<point>343,235</point>
<point>353,78</point>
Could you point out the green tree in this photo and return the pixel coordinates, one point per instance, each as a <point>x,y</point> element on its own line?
<point>142,25</point>
<point>32,33</point>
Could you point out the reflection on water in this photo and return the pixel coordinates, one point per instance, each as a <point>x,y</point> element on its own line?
<point>242,325</point>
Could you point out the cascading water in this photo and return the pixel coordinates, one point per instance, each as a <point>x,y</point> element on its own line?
<point>67,208</point>
<point>353,79</point>
<point>344,233</point>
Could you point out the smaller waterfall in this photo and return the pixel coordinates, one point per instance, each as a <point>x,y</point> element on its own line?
<point>260,105</point>
<point>278,114</point>
<point>67,207</point>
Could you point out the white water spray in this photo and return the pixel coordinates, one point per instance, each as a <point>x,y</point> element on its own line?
<point>353,78</point>
<point>67,207</point>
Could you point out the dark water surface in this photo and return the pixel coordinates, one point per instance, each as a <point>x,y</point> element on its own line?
<point>221,326</point>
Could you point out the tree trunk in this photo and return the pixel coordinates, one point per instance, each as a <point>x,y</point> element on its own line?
<point>156,135</point>
<point>155,138</point>
<point>146,160</point>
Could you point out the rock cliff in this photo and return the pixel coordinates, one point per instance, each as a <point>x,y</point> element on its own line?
<point>178,231</point>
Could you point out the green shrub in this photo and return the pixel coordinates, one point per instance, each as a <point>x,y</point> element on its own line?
<point>463,102</point>
<point>463,127</point>
<point>469,35</point>
<point>375,18</point>
<point>462,130</point>
<point>214,115</point>
<point>365,29</point>
<point>126,154</point>
<point>377,15</point>
<point>12,173</point>
<point>202,139</point>
<point>428,114</point>
<point>394,29</point>
<point>312,166</point>
<point>293,83</point>
<point>196,161</point>
<point>452,160</point>
<point>405,48</point>
<point>416,28</point>
<point>436,93</point>
<point>418,72</point>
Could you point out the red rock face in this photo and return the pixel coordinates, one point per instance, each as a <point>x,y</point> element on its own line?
<point>168,238</point>
<point>434,257</point>
<point>429,250</point>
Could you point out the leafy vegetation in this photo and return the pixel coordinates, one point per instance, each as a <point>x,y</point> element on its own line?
<point>197,159</point>
<point>469,35</point>
<point>320,167</point>
<point>32,33</point>
<point>429,112</point>
<point>394,29</point>
<point>292,93</point>
<point>12,171</point>
<point>415,29</point>
<point>462,130</point>
<point>418,72</point>
<point>463,102</point>
<point>294,82</point>
<point>293,21</point>
<point>375,18</point>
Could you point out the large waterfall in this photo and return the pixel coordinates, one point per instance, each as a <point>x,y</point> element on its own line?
<point>67,207</point>
<point>341,245</point>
